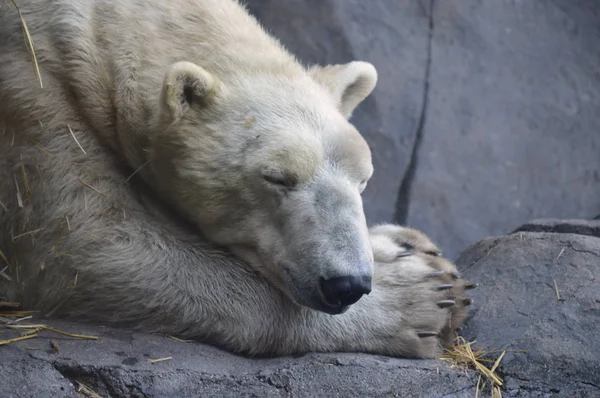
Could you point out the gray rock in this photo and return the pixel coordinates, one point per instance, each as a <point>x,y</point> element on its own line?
<point>23,376</point>
<point>117,365</point>
<point>553,343</point>
<point>391,34</point>
<point>511,126</point>
<point>580,227</point>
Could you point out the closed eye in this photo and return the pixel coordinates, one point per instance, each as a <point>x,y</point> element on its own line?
<point>275,180</point>
<point>281,180</point>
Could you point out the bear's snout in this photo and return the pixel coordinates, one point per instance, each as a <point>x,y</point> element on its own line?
<point>343,291</point>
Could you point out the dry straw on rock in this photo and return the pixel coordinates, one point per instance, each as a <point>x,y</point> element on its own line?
<point>463,356</point>
<point>11,318</point>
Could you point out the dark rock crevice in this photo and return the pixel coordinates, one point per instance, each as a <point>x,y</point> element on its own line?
<point>99,379</point>
<point>75,374</point>
<point>404,193</point>
<point>579,227</point>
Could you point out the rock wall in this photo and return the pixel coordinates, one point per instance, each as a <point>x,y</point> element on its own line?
<point>486,111</point>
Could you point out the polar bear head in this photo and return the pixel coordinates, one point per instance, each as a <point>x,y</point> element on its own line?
<point>267,164</point>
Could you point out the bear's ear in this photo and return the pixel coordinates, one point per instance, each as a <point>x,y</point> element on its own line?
<point>349,84</point>
<point>185,84</point>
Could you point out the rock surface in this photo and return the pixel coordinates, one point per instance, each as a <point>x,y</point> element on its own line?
<point>508,129</point>
<point>539,298</point>
<point>117,365</point>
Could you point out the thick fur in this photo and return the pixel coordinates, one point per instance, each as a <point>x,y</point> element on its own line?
<point>182,173</point>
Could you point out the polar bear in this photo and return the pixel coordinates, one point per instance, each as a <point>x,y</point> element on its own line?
<point>181,172</point>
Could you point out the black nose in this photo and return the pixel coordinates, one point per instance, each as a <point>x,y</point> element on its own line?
<point>345,290</point>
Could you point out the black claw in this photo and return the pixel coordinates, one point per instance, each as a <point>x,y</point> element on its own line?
<point>445,287</point>
<point>427,334</point>
<point>467,302</point>
<point>435,274</point>
<point>470,286</point>
<point>445,303</point>
<point>405,253</point>
<point>455,275</point>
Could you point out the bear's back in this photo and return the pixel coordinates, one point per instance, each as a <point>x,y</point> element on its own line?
<point>106,59</point>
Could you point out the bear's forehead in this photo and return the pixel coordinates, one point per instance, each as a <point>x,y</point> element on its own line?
<point>300,158</point>
<point>348,149</point>
<point>301,130</point>
<point>305,152</point>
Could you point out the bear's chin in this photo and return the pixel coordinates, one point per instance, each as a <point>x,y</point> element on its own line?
<point>331,310</point>
<point>322,306</point>
<point>315,302</point>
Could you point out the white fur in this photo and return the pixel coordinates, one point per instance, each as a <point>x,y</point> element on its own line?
<point>168,222</point>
